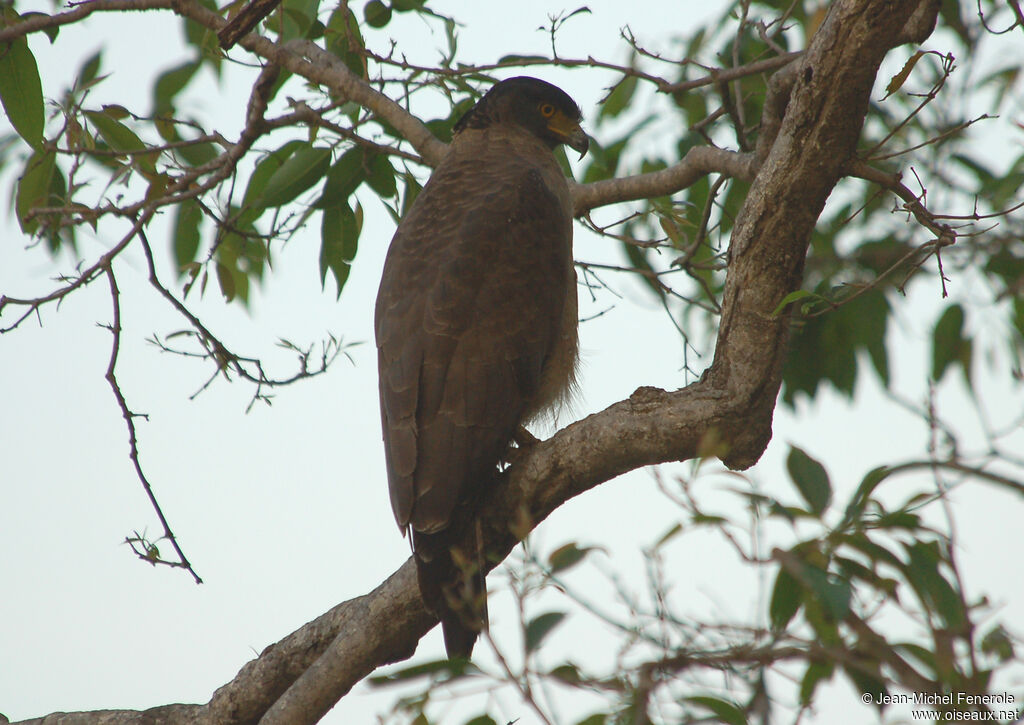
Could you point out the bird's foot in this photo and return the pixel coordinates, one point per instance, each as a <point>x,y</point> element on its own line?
<point>524,440</point>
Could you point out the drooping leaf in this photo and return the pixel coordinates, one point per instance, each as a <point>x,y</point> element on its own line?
<point>900,78</point>
<point>868,683</point>
<point>187,218</point>
<point>482,720</point>
<point>949,345</point>
<point>21,91</point>
<point>451,668</point>
<point>345,40</point>
<point>169,84</point>
<point>824,347</point>
<point>859,500</point>
<point>810,478</point>
<point>226,280</point>
<point>923,573</point>
<point>998,643</point>
<point>297,17</point>
<point>412,190</point>
<point>204,38</point>
<point>567,556</point>
<point>121,138</point>
<point>377,14</point>
<point>51,32</point>
<point>725,711</point>
<point>830,592</point>
<point>339,240</point>
<point>303,168</point>
<point>567,672</point>
<point>381,176</point>
<point>34,188</point>
<point>790,298</point>
<point>815,673</point>
<point>90,70</point>
<point>540,627</point>
<point>787,595</point>
<point>266,167</point>
<point>343,178</point>
<point>618,100</point>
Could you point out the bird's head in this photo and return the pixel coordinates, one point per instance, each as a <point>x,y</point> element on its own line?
<point>544,110</point>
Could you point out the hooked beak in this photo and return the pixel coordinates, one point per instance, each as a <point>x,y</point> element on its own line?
<point>570,133</point>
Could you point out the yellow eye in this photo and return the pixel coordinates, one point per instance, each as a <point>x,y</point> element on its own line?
<point>547,110</point>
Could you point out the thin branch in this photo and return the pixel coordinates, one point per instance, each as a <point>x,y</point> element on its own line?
<point>133,441</point>
<point>731,74</point>
<point>81,10</point>
<point>697,163</point>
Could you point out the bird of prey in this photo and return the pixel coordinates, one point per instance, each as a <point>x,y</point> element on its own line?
<point>476,328</point>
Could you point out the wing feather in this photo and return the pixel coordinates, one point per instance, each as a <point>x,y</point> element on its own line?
<point>471,307</point>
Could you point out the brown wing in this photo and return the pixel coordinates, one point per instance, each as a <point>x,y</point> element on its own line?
<point>469,310</point>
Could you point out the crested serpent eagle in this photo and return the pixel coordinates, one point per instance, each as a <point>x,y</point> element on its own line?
<point>476,328</point>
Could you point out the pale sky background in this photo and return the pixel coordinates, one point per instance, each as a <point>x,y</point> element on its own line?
<point>284,511</point>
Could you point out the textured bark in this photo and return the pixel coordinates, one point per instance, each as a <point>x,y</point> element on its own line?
<point>728,413</point>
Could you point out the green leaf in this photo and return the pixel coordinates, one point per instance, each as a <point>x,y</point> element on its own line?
<point>727,712</point>
<point>297,18</point>
<point>344,177</point>
<point>381,176</point>
<point>618,100</point>
<point>298,173</point>
<point>21,92</point>
<point>412,190</point>
<point>793,297</point>
<point>187,218</point>
<point>567,556</point>
<point>121,138</point>
<point>447,669</point>
<point>810,478</point>
<point>932,587</point>
<point>34,188</point>
<point>377,14</point>
<point>204,38</point>
<point>339,239</point>
<point>815,673</point>
<point>998,643</point>
<point>481,720</point>
<point>825,347</point>
<point>900,78</point>
<point>598,718</point>
<point>540,627</point>
<point>226,280</point>
<point>787,595</point>
<point>867,683</point>
<point>876,552</point>
<point>345,40</point>
<point>860,498</point>
<point>265,168</point>
<point>51,32</point>
<point>949,345</point>
<point>829,591</point>
<point>677,528</point>
<point>567,673</point>
<point>90,70</point>
<point>169,84</point>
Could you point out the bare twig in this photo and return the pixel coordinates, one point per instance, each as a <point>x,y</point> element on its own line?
<point>133,441</point>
